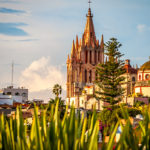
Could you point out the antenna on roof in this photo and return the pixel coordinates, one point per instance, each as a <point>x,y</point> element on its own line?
<point>12,73</point>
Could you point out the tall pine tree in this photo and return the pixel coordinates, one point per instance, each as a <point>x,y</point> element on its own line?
<point>109,75</point>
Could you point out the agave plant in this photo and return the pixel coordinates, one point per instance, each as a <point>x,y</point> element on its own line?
<point>58,134</point>
<point>50,132</point>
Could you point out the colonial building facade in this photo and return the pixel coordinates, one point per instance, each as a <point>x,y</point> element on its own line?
<point>143,84</point>
<point>86,53</point>
<point>130,78</point>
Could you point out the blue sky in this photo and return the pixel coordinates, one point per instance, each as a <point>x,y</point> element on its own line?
<point>37,36</point>
<point>9,10</point>
<point>12,29</point>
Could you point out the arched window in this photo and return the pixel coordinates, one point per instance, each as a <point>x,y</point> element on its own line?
<point>24,94</point>
<point>90,76</point>
<point>96,75</point>
<point>133,79</point>
<point>90,57</point>
<point>85,75</point>
<point>17,94</point>
<point>86,56</point>
<point>98,56</point>
<point>82,101</point>
<point>95,57</point>
<point>147,76</point>
<point>139,77</point>
<point>92,107</point>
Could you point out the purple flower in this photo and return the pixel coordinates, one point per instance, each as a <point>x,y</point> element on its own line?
<point>109,109</point>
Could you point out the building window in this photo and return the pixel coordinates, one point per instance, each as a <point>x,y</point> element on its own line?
<point>147,76</point>
<point>139,77</point>
<point>96,75</point>
<point>24,94</point>
<point>85,75</point>
<point>133,79</point>
<point>92,106</point>
<point>98,56</point>
<point>90,57</point>
<point>86,56</point>
<point>8,93</point>
<point>17,94</point>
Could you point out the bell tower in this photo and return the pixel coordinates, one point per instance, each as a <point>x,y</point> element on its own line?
<point>86,53</point>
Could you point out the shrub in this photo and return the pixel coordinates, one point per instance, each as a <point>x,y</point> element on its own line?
<point>131,138</point>
<point>138,103</point>
<point>110,115</point>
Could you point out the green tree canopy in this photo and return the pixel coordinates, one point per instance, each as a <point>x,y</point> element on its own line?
<point>57,89</point>
<point>109,74</point>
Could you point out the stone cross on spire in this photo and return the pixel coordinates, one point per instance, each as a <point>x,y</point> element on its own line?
<point>89,3</point>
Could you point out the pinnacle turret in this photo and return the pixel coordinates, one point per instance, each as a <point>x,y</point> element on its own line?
<point>73,49</point>
<point>68,59</point>
<point>97,43</point>
<point>77,42</point>
<point>102,42</point>
<point>82,41</point>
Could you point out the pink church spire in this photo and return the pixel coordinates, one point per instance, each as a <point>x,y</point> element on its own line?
<point>89,33</point>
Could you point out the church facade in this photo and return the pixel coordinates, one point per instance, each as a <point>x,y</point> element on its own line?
<point>86,53</point>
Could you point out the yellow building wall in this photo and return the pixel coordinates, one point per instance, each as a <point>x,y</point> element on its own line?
<point>146,91</point>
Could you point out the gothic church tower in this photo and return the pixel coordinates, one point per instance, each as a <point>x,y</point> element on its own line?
<point>86,53</point>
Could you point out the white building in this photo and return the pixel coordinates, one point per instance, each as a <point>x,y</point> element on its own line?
<point>9,99</point>
<point>16,93</point>
<point>86,100</point>
<point>6,99</point>
<point>38,101</point>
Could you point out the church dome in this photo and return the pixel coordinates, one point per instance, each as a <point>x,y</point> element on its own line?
<point>145,66</point>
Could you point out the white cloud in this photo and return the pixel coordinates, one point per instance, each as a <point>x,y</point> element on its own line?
<point>142,28</point>
<point>40,75</point>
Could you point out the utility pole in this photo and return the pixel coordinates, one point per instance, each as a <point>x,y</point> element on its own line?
<point>12,73</point>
